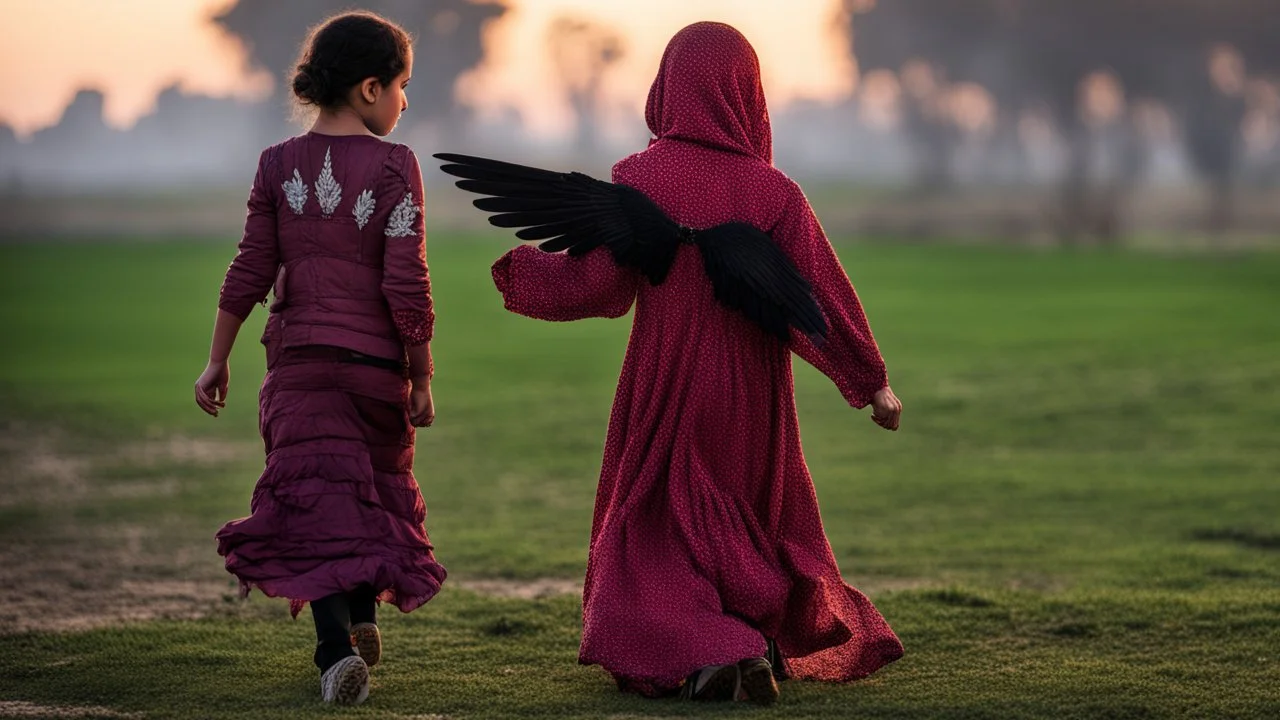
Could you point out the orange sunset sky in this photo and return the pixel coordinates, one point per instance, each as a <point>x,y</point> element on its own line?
<point>130,49</point>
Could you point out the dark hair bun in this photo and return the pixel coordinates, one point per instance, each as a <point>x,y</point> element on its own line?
<point>344,50</point>
<point>313,86</point>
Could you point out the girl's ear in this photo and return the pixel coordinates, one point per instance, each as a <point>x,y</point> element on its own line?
<point>370,88</point>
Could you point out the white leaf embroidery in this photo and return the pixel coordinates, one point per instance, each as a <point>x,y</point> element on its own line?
<point>328,192</point>
<point>400,224</point>
<point>296,192</point>
<point>363,208</point>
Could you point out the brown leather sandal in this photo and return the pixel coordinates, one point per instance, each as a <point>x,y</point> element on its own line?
<point>714,683</point>
<point>368,642</point>
<point>756,681</point>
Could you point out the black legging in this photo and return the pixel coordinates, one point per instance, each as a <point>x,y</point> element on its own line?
<point>334,615</point>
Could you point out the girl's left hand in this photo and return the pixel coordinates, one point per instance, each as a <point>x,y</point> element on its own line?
<point>886,409</point>
<point>211,388</point>
<point>422,408</point>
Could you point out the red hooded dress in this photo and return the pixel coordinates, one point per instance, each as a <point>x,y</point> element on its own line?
<point>706,536</point>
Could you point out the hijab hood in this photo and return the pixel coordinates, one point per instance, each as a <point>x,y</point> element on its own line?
<point>708,92</point>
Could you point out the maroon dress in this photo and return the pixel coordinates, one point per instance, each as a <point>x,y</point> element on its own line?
<point>335,226</point>
<point>706,537</point>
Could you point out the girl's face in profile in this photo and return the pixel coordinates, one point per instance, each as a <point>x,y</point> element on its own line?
<point>382,105</point>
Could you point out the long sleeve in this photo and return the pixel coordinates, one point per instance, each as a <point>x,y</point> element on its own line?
<point>406,284</point>
<point>253,271</point>
<point>555,286</point>
<point>849,355</point>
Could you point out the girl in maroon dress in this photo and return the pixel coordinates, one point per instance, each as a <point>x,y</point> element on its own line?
<point>709,571</point>
<point>335,226</point>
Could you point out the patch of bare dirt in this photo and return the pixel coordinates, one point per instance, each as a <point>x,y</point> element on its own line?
<point>103,578</point>
<point>22,709</point>
<point>522,589</point>
<point>186,451</point>
<point>69,575</point>
<point>34,471</point>
<point>39,469</point>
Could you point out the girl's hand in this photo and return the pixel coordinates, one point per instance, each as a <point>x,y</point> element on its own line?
<point>886,409</point>
<point>422,409</point>
<point>211,388</point>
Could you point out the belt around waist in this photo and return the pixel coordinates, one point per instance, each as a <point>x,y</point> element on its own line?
<point>330,353</point>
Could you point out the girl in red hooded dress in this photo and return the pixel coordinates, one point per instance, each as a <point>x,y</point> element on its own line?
<point>709,572</point>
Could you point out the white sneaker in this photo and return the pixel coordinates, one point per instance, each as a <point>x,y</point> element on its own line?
<point>346,683</point>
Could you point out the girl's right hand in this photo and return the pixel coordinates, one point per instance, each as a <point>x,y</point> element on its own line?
<point>886,409</point>
<point>422,409</point>
<point>211,388</point>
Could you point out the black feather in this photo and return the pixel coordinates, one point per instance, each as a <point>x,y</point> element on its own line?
<point>751,274</point>
<point>577,213</point>
<point>571,211</point>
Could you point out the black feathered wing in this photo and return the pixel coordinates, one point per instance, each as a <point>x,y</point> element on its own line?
<point>751,274</point>
<point>578,213</point>
<point>571,211</point>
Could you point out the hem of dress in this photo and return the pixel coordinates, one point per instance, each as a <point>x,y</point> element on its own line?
<point>296,603</point>
<point>657,686</point>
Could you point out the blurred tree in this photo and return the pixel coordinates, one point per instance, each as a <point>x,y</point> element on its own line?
<point>926,120</point>
<point>582,52</point>
<point>1211,103</point>
<point>1038,53</point>
<point>81,129</point>
<point>10,177</point>
<point>447,32</point>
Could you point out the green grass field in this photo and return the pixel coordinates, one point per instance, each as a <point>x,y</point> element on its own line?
<point>1080,517</point>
